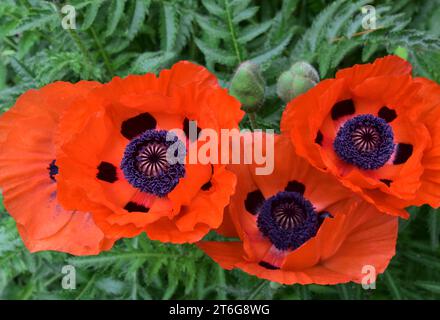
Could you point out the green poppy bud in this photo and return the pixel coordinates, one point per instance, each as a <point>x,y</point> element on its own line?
<point>248,86</point>
<point>298,79</point>
<point>401,52</point>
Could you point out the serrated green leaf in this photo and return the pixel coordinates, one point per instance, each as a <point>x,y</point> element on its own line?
<point>210,28</point>
<point>140,11</point>
<point>116,13</point>
<point>213,8</point>
<point>92,12</point>
<point>37,23</point>
<point>152,61</point>
<point>217,55</point>
<point>268,55</point>
<point>168,27</point>
<point>251,32</point>
<point>245,15</point>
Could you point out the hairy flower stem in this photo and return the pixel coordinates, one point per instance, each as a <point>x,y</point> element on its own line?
<point>257,289</point>
<point>79,43</point>
<point>82,48</point>
<point>232,32</point>
<point>103,53</point>
<point>252,120</point>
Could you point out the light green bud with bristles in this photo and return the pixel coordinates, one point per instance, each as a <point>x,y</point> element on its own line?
<point>297,80</point>
<point>401,52</point>
<point>247,85</point>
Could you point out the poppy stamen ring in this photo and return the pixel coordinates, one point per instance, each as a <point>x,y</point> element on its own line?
<point>288,220</point>
<point>365,141</point>
<point>145,164</point>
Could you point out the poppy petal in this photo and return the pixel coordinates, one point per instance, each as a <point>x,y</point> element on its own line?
<point>387,66</point>
<point>105,125</point>
<point>386,91</point>
<point>29,173</point>
<point>365,238</point>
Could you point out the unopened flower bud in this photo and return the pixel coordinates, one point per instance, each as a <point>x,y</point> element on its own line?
<point>248,86</point>
<point>298,79</point>
<point>401,52</point>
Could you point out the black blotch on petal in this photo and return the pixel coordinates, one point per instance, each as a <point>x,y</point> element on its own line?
<point>107,172</point>
<point>295,186</point>
<point>134,207</point>
<point>133,127</point>
<point>387,114</point>
<point>253,201</point>
<point>319,138</point>
<point>53,170</point>
<point>207,186</point>
<point>186,129</point>
<point>403,152</point>
<point>386,181</point>
<point>342,108</point>
<point>267,265</point>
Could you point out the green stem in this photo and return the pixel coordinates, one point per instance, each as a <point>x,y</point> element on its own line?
<point>120,256</point>
<point>135,242</point>
<point>232,32</point>
<point>103,52</point>
<point>257,289</point>
<point>81,47</point>
<point>394,290</point>
<point>88,285</point>
<point>78,41</point>
<point>252,120</point>
<point>30,74</point>
<point>434,233</point>
<point>50,281</point>
<point>134,288</point>
<point>345,295</point>
<point>10,43</point>
<point>304,292</point>
<point>28,290</point>
<point>221,294</point>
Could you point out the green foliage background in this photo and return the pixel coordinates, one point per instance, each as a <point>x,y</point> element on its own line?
<point>119,37</point>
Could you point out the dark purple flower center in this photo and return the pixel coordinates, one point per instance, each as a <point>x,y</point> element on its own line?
<point>288,220</point>
<point>146,164</point>
<point>365,141</point>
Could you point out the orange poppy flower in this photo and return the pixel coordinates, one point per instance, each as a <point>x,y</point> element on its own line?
<point>375,128</point>
<point>300,225</point>
<point>114,162</point>
<point>29,173</point>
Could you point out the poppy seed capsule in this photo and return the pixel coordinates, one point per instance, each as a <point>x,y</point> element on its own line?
<point>297,80</point>
<point>248,86</point>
